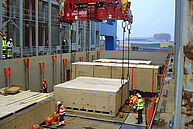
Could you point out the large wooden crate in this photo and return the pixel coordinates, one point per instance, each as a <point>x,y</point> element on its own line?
<point>123,61</point>
<point>92,95</point>
<point>142,77</point>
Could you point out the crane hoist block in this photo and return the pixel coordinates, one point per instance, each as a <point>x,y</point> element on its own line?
<point>95,10</point>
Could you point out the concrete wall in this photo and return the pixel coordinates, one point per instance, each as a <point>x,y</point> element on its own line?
<point>51,75</point>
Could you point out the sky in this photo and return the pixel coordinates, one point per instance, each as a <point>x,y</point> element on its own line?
<point>150,17</point>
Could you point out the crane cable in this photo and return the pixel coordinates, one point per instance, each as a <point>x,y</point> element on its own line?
<point>124,24</point>
<point>128,76</point>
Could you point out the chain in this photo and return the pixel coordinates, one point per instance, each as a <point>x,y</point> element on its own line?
<point>129,32</point>
<point>124,24</point>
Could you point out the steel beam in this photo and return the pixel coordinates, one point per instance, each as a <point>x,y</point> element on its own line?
<point>43,28</point>
<point>84,35</point>
<point>30,27</point>
<point>90,35</point>
<point>178,90</point>
<point>36,27</point>
<point>21,26</point>
<point>14,28</point>
<point>10,26</point>
<point>52,2</point>
<point>49,26</point>
<point>70,40</point>
<point>1,12</point>
<point>77,35</point>
<point>60,42</point>
<point>99,45</point>
<point>95,35</point>
<point>178,61</point>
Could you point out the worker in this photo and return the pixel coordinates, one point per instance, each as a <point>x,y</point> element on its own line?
<point>61,111</point>
<point>4,41</point>
<point>133,102</point>
<point>9,48</point>
<point>44,86</point>
<point>139,109</point>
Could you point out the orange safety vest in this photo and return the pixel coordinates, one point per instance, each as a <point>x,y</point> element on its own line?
<point>133,100</point>
<point>44,85</point>
<point>62,110</point>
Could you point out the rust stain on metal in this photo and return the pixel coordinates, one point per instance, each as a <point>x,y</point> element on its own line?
<point>188,51</point>
<point>189,123</point>
<point>187,107</point>
<point>187,102</point>
<point>187,93</point>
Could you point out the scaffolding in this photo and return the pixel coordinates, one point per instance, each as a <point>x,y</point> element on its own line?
<point>33,26</point>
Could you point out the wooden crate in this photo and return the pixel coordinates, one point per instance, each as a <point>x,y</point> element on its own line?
<point>92,95</point>
<point>124,61</point>
<point>15,115</point>
<point>142,77</point>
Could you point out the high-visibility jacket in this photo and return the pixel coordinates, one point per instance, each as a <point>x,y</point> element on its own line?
<point>9,48</point>
<point>61,110</point>
<point>133,100</point>
<point>140,104</point>
<point>10,44</point>
<point>44,85</point>
<point>4,44</point>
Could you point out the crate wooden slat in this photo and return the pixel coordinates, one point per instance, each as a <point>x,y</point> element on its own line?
<point>124,61</point>
<point>92,95</point>
<point>142,77</point>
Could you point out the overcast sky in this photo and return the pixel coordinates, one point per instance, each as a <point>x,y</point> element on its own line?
<point>150,17</point>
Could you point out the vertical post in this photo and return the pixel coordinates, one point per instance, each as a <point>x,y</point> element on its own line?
<point>21,26</point>
<point>36,27</point>
<point>95,35</point>
<point>10,17</point>
<point>43,28</point>
<point>71,58</point>
<point>77,35</point>
<point>60,42</point>
<point>84,35</point>
<point>49,26</point>
<point>1,11</point>
<point>70,40</point>
<point>30,27</point>
<point>90,35</point>
<point>99,35</point>
<point>64,69</point>
<point>179,24</point>
<point>14,16</point>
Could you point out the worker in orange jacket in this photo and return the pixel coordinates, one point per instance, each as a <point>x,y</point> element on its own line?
<point>44,86</point>
<point>133,102</point>
<point>61,111</point>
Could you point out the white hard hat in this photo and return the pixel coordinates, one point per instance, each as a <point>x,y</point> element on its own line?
<point>58,103</point>
<point>139,96</point>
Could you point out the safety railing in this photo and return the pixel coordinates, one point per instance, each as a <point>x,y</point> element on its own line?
<point>153,108</point>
